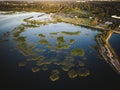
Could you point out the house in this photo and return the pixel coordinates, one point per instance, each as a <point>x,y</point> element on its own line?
<point>108,23</point>
<point>115,16</point>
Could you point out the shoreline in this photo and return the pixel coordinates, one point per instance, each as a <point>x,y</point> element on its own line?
<point>54,19</point>
<point>107,52</point>
<point>44,18</point>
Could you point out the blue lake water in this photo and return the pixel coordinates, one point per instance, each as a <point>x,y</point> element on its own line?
<point>55,56</point>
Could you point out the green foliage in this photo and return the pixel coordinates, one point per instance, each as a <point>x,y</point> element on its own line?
<point>72,41</point>
<point>60,40</point>
<point>54,33</point>
<point>94,22</point>
<point>78,13</point>
<point>77,52</point>
<point>72,74</point>
<point>22,64</point>
<point>54,75</point>
<point>30,25</point>
<point>20,39</point>
<point>99,9</point>
<point>43,41</point>
<point>59,46</point>
<point>41,35</point>
<point>55,71</point>
<point>37,58</point>
<point>83,72</point>
<point>44,68</point>
<point>35,69</point>
<point>81,64</point>
<point>71,33</point>
<point>18,31</point>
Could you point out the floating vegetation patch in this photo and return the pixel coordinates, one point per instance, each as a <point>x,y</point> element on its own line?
<point>44,68</point>
<point>35,69</point>
<point>57,63</point>
<point>77,52</point>
<point>42,35</point>
<point>3,41</point>
<point>52,36</point>
<point>54,33</point>
<point>66,68</point>
<point>43,41</point>
<point>20,39</point>
<point>71,33</point>
<point>40,63</point>
<point>67,64</point>
<point>52,48</point>
<point>26,51</point>
<point>83,72</point>
<point>37,58</point>
<point>35,22</point>
<point>72,74</point>
<point>17,31</point>
<point>60,40</point>
<point>22,64</point>
<point>81,64</point>
<point>4,37</point>
<point>54,75</point>
<point>72,41</point>
<point>37,50</point>
<point>30,25</point>
<point>55,71</point>
<point>59,46</point>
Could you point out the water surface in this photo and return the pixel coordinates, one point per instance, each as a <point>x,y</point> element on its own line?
<point>53,56</point>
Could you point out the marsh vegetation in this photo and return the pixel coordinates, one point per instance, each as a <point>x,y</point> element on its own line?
<point>44,51</point>
<point>61,47</point>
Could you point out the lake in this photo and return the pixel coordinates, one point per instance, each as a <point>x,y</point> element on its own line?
<point>55,56</point>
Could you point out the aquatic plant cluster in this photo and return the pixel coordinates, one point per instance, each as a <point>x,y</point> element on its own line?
<point>43,53</point>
